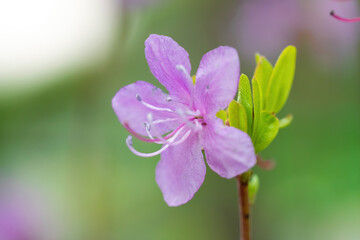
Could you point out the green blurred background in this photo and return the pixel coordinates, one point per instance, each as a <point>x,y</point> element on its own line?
<point>62,149</point>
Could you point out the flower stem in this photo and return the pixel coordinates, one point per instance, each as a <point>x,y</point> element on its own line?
<point>244,206</point>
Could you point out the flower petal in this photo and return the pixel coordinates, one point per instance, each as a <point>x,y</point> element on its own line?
<point>217,79</point>
<point>131,111</point>
<point>181,171</point>
<point>229,151</point>
<point>164,57</point>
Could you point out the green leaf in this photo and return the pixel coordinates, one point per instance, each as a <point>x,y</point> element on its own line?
<point>257,57</point>
<point>266,132</point>
<point>245,99</point>
<point>262,74</point>
<point>257,99</point>
<point>286,121</point>
<point>237,116</point>
<point>253,188</point>
<point>222,114</point>
<point>281,80</point>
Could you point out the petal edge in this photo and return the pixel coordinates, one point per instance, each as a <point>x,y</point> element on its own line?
<point>163,55</point>
<point>217,79</point>
<point>181,171</point>
<point>229,151</point>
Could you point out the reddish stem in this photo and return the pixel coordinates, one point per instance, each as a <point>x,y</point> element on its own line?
<point>332,13</point>
<point>244,207</point>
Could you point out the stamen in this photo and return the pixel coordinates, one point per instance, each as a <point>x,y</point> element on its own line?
<point>151,106</point>
<point>171,142</point>
<point>198,125</point>
<point>186,135</point>
<point>175,131</point>
<point>164,140</point>
<point>187,113</point>
<point>164,120</point>
<point>193,123</point>
<point>135,134</point>
<point>147,129</point>
<point>142,138</point>
<point>133,150</point>
<point>158,140</point>
<point>332,13</point>
<point>193,113</point>
<point>151,122</point>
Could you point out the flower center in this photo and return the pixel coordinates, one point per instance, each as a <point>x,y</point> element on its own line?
<point>201,120</point>
<point>191,121</point>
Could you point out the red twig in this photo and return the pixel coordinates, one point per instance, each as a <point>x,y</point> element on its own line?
<point>244,207</point>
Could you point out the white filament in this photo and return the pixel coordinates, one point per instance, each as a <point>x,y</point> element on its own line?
<point>186,135</point>
<point>162,140</point>
<point>164,120</point>
<point>133,150</point>
<point>167,143</point>
<point>148,105</point>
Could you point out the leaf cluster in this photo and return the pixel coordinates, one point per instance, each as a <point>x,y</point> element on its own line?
<point>254,111</point>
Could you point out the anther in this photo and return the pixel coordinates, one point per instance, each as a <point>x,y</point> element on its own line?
<point>129,140</point>
<point>138,97</point>
<point>147,126</point>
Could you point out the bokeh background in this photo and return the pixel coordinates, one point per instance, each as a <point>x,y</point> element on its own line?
<point>66,173</point>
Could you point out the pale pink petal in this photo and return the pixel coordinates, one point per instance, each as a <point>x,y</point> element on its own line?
<point>217,79</point>
<point>229,151</point>
<point>181,171</point>
<point>170,65</point>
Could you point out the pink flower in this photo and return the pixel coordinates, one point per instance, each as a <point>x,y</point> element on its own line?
<point>184,120</point>
<point>25,212</point>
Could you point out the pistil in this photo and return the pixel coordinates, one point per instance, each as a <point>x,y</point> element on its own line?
<point>332,13</point>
